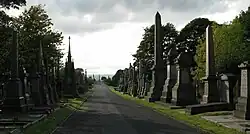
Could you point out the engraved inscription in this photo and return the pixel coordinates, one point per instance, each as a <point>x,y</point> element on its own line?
<point>244,84</point>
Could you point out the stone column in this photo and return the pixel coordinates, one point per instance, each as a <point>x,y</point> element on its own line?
<point>43,83</point>
<point>211,93</point>
<point>14,101</point>
<point>171,77</point>
<point>134,82</point>
<point>242,107</point>
<point>53,84</point>
<point>158,74</point>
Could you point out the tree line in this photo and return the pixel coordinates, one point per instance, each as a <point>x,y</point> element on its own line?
<point>231,40</point>
<point>34,26</point>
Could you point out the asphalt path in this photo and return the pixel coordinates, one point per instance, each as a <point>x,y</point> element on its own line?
<point>108,113</point>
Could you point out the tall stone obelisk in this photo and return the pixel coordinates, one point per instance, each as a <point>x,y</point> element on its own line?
<point>158,74</point>
<point>211,93</point>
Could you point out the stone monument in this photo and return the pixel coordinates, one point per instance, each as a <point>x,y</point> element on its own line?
<point>158,74</point>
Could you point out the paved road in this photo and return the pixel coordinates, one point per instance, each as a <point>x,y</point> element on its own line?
<point>110,114</point>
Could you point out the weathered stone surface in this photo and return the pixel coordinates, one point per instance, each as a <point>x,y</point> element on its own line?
<point>211,93</point>
<point>14,101</point>
<point>158,70</point>
<point>242,107</point>
<point>183,92</point>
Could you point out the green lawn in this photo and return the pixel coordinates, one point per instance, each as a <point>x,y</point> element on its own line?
<point>53,120</point>
<point>180,115</point>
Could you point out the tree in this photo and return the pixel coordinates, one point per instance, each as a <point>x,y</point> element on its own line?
<point>12,3</point>
<point>145,51</point>
<point>190,35</point>
<point>116,77</point>
<point>231,49</point>
<point>34,25</point>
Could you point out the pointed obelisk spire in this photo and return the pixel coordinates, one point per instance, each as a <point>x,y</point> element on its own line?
<point>69,52</point>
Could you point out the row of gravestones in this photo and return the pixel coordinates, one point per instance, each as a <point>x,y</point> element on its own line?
<point>174,83</point>
<point>39,90</point>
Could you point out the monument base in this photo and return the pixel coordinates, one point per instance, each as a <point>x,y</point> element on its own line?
<point>211,92</point>
<point>209,107</point>
<point>14,105</point>
<point>242,111</point>
<point>165,97</point>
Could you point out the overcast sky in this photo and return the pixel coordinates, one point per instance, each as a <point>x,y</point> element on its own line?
<point>105,33</point>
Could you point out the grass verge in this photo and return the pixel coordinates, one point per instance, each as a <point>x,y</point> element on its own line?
<point>47,125</point>
<point>206,127</point>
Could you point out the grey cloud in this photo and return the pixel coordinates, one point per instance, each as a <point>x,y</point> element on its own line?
<point>109,12</point>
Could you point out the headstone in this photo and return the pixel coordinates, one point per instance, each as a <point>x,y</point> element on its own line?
<point>35,87</point>
<point>141,82</point>
<point>14,101</point>
<point>42,72</point>
<point>171,77</point>
<point>211,93</point>
<point>183,92</point>
<point>158,71</point>
<point>25,87</point>
<point>134,82</point>
<point>226,85</point>
<point>242,106</point>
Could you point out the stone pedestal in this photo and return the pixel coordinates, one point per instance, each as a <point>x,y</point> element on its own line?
<point>35,90</point>
<point>183,93</point>
<point>243,105</point>
<point>169,83</point>
<point>227,83</point>
<point>14,101</point>
<point>211,92</point>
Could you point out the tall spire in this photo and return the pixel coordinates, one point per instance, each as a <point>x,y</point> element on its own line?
<point>69,52</point>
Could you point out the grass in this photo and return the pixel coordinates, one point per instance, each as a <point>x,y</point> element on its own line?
<point>53,120</point>
<point>206,127</point>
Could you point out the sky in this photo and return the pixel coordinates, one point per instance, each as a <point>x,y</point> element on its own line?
<point>105,33</point>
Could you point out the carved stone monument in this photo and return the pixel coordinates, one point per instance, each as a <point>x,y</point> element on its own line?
<point>243,105</point>
<point>158,71</point>
<point>14,101</point>
<point>211,93</point>
<point>171,76</point>
<point>183,92</point>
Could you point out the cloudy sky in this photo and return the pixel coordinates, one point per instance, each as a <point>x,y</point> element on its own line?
<point>105,33</point>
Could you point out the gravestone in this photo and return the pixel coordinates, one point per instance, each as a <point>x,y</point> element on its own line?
<point>42,72</point>
<point>35,85</point>
<point>242,106</point>
<point>141,81</point>
<point>134,82</point>
<point>53,84</point>
<point>171,76</point>
<point>126,80</point>
<point>25,87</point>
<point>58,79</point>
<point>14,101</point>
<point>158,71</point>
<point>226,85</point>
<point>211,93</point>
<point>130,79</point>
<point>70,82</point>
<point>48,81</point>
<point>183,92</point>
